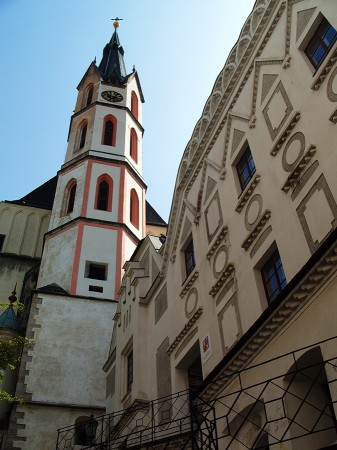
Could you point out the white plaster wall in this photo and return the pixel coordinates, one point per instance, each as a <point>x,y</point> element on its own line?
<point>99,245</point>
<point>71,344</point>
<point>58,254</point>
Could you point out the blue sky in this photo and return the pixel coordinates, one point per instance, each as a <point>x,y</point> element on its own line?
<point>177,46</point>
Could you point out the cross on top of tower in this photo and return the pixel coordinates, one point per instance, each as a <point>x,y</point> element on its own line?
<point>116,22</point>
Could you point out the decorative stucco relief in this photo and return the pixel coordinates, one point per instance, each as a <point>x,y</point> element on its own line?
<point>299,169</point>
<point>303,18</point>
<point>317,213</point>
<point>277,110</point>
<point>252,236</point>
<point>213,217</point>
<point>325,69</point>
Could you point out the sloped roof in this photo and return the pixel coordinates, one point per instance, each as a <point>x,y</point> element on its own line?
<point>9,320</point>
<point>43,197</point>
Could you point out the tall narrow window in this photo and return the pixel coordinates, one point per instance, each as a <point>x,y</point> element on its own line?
<point>134,208</point>
<point>321,42</point>
<point>245,168</point>
<point>134,104</point>
<point>104,193</point>
<point>189,257</point>
<point>129,374</point>
<point>83,135</point>
<point>71,198</point>
<point>134,145</point>
<point>90,92</point>
<point>273,276</point>
<point>109,131</point>
<point>2,240</point>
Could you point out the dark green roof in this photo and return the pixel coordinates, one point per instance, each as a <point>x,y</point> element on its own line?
<point>9,320</point>
<point>112,66</point>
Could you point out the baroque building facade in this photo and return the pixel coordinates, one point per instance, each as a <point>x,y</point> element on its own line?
<point>225,335</point>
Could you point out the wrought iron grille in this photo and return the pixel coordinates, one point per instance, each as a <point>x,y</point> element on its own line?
<point>287,398</point>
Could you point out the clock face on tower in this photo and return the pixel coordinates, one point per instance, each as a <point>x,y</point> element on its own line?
<point>112,96</point>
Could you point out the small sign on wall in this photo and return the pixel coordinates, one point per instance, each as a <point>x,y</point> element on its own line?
<point>206,348</point>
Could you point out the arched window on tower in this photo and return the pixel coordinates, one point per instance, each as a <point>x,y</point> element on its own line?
<point>109,131</point>
<point>134,104</point>
<point>133,145</point>
<point>104,188</point>
<point>82,135</point>
<point>89,94</point>
<point>134,208</point>
<point>70,195</point>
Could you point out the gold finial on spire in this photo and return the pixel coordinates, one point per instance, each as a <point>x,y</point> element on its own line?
<point>116,22</point>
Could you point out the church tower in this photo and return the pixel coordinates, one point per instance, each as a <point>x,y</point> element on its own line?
<point>99,209</point>
<point>98,218</point>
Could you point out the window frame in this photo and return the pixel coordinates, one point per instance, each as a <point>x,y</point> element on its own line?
<point>91,267</point>
<point>134,145</point>
<point>107,179</point>
<point>70,195</point>
<point>2,242</point>
<point>82,135</point>
<point>113,120</point>
<point>89,95</point>
<point>134,104</point>
<point>129,370</point>
<point>189,260</point>
<point>245,164</point>
<point>134,208</point>
<point>315,38</point>
<point>274,264</point>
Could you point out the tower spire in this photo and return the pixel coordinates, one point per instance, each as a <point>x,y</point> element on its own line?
<point>112,65</point>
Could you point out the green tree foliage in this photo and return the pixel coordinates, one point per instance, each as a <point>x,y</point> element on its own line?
<point>10,354</point>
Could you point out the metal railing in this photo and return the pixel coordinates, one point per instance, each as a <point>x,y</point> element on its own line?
<point>286,398</point>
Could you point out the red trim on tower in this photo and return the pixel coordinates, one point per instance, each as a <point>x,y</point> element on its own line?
<point>74,277</point>
<point>119,255</point>
<point>121,199</point>
<point>86,189</point>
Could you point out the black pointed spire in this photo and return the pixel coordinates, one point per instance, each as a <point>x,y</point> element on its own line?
<point>112,66</point>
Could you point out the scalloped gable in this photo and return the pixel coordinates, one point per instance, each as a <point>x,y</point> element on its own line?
<point>206,126</point>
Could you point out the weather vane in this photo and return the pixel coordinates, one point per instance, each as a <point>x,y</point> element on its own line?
<point>116,22</point>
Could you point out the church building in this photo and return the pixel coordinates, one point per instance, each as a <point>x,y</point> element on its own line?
<point>63,247</point>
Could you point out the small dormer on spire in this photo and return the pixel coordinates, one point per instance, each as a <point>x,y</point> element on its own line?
<point>112,66</point>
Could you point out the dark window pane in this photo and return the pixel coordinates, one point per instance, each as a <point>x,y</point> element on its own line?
<point>71,199</point>
<point>246,168</point>
<point>103,196</point>
<point>273,276</point>
<point>108,133</point>
<point>189,258</point>
<point>321,42</point>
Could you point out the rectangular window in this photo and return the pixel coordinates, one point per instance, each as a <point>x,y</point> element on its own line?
<point>245,168</point>
<point>2,241</point>
<point>273,276</point>
<point>96,271</point>
<point>96,289</point>
<point>129,374</point>
<point>321,42</point>
<point>189,258</point>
